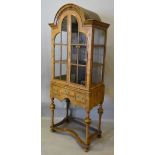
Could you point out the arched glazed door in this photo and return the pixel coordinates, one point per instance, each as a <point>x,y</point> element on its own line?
<point>78,54</point>
<point>70,38</point>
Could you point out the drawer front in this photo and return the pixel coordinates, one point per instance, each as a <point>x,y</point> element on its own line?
<point>55,90</point>
<point>71,94</point>
<point>80,98</point>
<point>67,93</point>
<point>63,92</point>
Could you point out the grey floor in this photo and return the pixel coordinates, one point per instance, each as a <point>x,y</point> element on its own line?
<point>63,144</point>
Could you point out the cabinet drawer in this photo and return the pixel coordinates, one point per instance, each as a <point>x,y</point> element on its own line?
<point>55,90</point>
<point>71,94</point>
<point>80,98</point>
<point>64,92</point>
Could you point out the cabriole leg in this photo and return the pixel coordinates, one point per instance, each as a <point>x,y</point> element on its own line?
<point>100,112</point>
<point>52,107</point>
<point>87,122</point>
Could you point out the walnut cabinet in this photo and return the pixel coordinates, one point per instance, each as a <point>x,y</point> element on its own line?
<point>78,43</point>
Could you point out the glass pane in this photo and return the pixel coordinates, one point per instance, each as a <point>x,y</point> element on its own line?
<point>58,39</point>
<point>74,55</point>
<point>99,36</point>
<point>81,75</point>
<point>73,73</point>
<point>57,52</point>
<point>57,70</point>
<point>74,31</point>
<point>98,55</point>
<point>82,38</point>
<point>97,74</point>
<point>63,72</point>
<point>64,31</point>
<point>82,55</point>
<point>64,52</point>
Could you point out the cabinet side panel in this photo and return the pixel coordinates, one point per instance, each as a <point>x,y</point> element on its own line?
<point>97,96</point>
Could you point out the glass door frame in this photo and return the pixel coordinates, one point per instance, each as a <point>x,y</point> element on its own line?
<point>78,46</point>
<point>57,30</point>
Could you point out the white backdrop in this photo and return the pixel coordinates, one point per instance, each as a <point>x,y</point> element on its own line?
<point>105,10</point>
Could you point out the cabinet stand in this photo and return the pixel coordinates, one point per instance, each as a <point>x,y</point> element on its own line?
<point>68,118</point>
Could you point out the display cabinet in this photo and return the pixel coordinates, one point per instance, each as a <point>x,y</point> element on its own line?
<point>78,58</point>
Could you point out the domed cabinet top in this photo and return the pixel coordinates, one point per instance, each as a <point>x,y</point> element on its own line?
<point>87,16</point>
